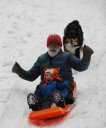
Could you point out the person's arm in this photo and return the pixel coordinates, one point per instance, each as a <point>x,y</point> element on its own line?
<point>80,65</point>
<point>29,75</point>
<point>64,87</point>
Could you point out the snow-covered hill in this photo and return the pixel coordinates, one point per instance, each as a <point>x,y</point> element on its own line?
<point>24,27</point>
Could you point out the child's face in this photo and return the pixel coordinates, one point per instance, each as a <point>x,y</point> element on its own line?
<point>49,78</point>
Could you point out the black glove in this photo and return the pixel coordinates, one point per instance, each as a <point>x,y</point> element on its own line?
<point>17,69</point>
<point>69,99</point>
<point>87,52</point>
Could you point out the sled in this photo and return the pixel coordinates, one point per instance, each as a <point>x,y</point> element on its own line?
<point>51,115</point>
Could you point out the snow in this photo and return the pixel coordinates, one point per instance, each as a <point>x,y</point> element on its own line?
<point>24,28</point>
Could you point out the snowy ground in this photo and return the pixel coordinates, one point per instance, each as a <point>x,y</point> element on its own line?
<point>24,27</point>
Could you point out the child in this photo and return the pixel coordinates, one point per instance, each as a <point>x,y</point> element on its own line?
<point>53,88</point>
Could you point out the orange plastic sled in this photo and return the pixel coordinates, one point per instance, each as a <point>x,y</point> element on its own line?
<point>52,113</point>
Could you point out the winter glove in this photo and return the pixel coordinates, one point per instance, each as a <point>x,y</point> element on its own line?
<point>70,99</point>
<point>87,52</point>
<point>17,69</point>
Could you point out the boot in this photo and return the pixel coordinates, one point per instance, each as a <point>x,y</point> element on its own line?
<point>32,101</point>
<point>58,99</point>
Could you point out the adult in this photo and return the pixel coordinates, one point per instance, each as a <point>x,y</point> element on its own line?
<point>56,58</point>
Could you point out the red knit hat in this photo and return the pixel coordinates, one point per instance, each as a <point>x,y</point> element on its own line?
<point>56,39</point>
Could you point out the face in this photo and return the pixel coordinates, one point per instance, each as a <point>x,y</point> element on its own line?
<point>49,78</point>
<point>72,41</point>
<point>53,49</point>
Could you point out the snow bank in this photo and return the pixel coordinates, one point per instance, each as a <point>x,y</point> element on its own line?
<point>24,27</point>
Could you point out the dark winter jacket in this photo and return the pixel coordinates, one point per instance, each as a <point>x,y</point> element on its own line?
<point>47,91</point>
<point>63,60</point>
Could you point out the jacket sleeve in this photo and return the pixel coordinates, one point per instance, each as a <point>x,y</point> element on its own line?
<point>77,64</point>
<point>33,73</point>
<point>63,87</point>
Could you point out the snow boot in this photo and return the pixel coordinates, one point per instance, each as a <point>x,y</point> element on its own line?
<point>32,101</point>
<point>69,99</point>
<point>58,99</point>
